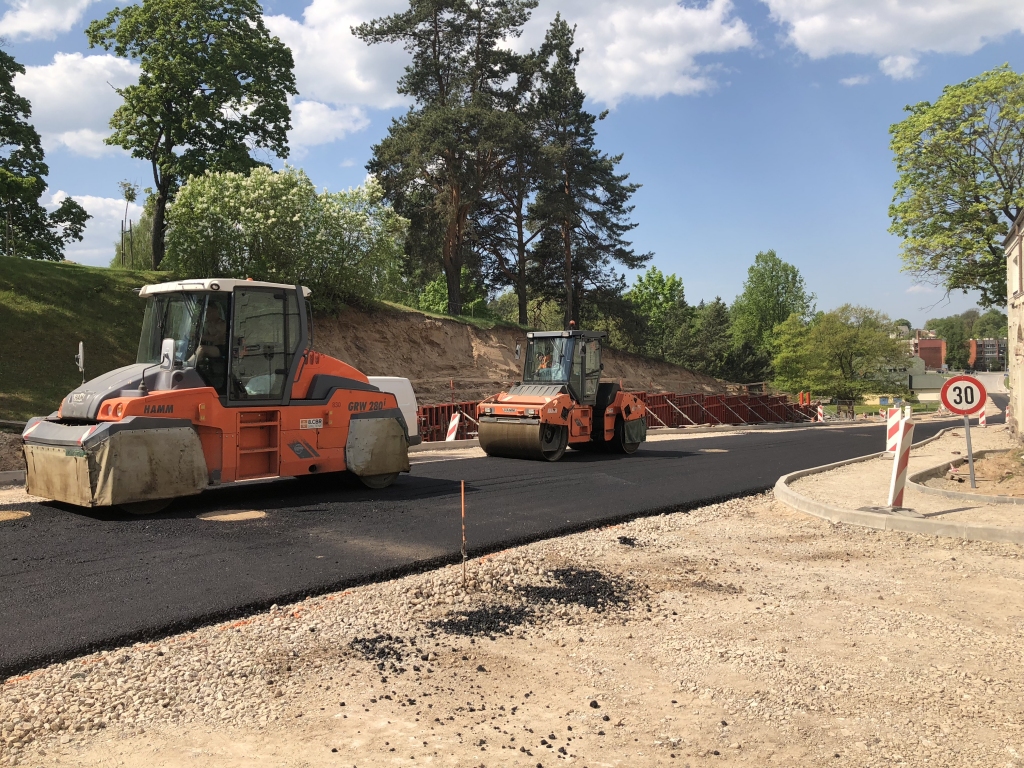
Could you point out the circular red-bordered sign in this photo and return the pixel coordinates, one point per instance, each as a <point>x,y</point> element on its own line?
<point>963,395</point>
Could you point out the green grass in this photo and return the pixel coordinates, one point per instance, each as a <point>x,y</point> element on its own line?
<point>927,407</point>
<point>46,308</point>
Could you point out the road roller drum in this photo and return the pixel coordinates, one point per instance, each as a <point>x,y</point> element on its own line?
<point>519,440</point>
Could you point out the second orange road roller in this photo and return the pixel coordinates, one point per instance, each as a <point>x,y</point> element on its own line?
<point>561,403</point>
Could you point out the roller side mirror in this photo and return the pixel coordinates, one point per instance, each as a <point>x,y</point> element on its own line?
<point>167,354</point>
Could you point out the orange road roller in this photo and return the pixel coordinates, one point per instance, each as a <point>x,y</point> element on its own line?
<point>226,388</point>
<point>561,403</point>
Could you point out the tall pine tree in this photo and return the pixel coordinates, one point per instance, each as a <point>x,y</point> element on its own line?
<point>27,229</point>
<point>583,203</point>
<point>444,152</point>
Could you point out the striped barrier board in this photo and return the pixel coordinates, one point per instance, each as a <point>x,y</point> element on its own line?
<point>892,428</point>
<point>898,483</point>
<point>453,427</point>
<point>982,421</point>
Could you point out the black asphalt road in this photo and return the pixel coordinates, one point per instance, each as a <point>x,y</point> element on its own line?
<point>72,581</point>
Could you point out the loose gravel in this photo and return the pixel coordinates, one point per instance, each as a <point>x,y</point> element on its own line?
<point>738,633</point>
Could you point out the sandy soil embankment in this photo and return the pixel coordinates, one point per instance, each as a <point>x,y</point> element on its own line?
<point>434,352</point>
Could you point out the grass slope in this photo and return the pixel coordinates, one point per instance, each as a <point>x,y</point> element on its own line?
<point>46,308</point>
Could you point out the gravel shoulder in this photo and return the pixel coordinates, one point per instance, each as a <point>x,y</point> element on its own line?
<point>866,483</point>
<point>738,633</point>
<point>11,457</point>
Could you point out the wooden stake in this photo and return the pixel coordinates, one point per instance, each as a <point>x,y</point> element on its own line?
<point>463,534</point>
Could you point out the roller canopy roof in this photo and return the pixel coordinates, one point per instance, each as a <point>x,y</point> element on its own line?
<point>213,285</point>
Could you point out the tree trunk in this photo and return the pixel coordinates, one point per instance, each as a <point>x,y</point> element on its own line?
<point>159,215</point>
<point>570,309</point>
<point>521,269</point>
<point>453,277</point>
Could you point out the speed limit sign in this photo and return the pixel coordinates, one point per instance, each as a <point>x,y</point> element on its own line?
<point>963,395</point>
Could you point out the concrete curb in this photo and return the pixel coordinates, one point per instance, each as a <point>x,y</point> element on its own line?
<point>926,474</point>
<point>12,478</point>
<point>883,521</point>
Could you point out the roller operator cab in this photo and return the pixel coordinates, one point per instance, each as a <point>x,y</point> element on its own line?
<point>561,403</point>
<point>226,388</point>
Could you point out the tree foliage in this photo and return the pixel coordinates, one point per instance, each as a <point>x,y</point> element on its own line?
<point>583,202</point>
<point>442,154</point>
<point>660,301</point>
<point>214,85</point>
<point>772,292</point>
<point>345,246</point>
<point>961,183</point>
<point>844,354</point>
<point>991,325</point>
<point>26,229</point>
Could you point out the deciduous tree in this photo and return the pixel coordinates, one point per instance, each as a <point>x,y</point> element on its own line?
<point>26,228</point>
<point>772,292</point>
<point>346,246</point>
<point>214,86</point>
<point>844,353</point>
<point>961,183</point>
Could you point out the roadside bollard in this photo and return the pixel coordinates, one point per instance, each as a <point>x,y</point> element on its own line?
<point>904,440</point>
<point>908,411</point>
<point>982,422</point>
<point>821,412</point>
<point>453,427</point>
<point>892,428</point>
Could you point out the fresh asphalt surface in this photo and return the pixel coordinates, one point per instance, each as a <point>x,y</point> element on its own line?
<point>74,581</point>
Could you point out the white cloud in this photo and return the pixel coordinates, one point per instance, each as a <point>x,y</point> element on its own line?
<point>922,289</point>
<point>895,32</point>
<point>73,98</point>
<point>899,67</point>
<point>316,123</point>
<point>855,80</point>
<point>635,48</point>
<point>332,65</point>
<point>101,231</point>
<point>34,19</point>
<point>645,47</point>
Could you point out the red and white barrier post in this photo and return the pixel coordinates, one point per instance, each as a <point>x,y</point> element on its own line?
<point>821,412</point>
<point>982,422</point>
<point>453,427</point>
<point>904,439</point>
<point>892,428</point>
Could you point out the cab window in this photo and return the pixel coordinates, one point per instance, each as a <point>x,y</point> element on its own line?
<point>264,337</point>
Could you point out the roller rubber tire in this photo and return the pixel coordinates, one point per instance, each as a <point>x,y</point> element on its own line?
<point>619,445</point>
<point>378,481</point>
<point>146,507</point>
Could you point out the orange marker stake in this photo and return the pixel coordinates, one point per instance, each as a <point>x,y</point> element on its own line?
<point>463,534</point>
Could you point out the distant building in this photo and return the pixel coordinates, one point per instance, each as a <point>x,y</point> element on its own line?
<point>988,354</point>
<point>931,350</point>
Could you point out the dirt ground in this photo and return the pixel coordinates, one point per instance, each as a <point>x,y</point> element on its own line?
<point>11,458</point>
<point>866,484</point>
<point>999,474</point>
<point>737,634</point>
<point>434,352</point>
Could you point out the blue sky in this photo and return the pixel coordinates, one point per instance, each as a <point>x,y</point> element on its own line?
<point>752,124</point>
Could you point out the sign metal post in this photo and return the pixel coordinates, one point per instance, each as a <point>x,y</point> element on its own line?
<point>965,395</point>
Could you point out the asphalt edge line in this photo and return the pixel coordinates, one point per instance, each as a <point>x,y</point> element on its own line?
<point>884,522</point>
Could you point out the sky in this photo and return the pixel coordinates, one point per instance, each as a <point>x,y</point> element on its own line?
<point>751,124</point>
